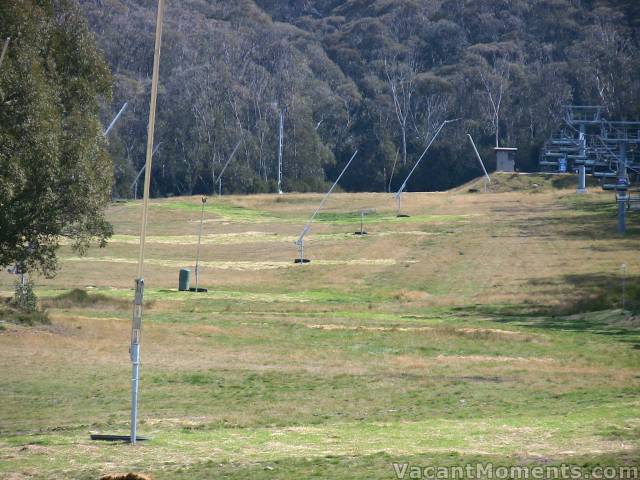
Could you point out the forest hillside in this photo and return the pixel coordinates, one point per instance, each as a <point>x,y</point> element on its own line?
<point>376,75</point>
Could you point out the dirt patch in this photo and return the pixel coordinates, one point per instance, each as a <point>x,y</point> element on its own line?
<point>369,329</point>
<point>126,476</point>
<point>240,265</point>
<point>479,333</point>
<point>411,296</point>
<point>489,358</point>
<point>33,450</point>
<point>493,333</point>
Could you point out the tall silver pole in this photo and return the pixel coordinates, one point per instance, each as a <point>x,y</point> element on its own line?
<point>136,326</point>
<point>204,200</point>
<point>582,179</point>
<point>624,281</point>
<point>281,135</point>
<point>622,188</point>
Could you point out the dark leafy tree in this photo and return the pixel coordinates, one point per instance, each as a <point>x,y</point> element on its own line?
<point>55,174</point>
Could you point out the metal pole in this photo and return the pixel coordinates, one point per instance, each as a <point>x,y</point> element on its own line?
<point>622,207</point>
<point>307,227</point>
<point>139,282</point>
<point>225,167</point>
<point>582,141</point>
<point>134,352</point>
<point>624,281</point>
<point>4,50</point>
<point>115,119</point>
<point>622,188</point>
<point>204,200</point>
<point>582,179</point>
<point>134,185</point>
<point>484,170</point>
<point>404,184</point>
<point>281,135</point>
<point>361,222</point>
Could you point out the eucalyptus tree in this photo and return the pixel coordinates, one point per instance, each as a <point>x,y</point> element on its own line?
<point>55,175</point>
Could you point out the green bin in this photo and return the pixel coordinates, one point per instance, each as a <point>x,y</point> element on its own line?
<point>183,280</point>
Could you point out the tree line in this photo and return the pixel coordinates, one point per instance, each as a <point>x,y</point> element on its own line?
<point>375,75</point>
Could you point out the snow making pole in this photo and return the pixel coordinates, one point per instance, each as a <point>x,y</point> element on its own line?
<point>280,140</point>
<point>204,200</point>
<point>225,167</point>
<point>398,194</point>
<point>136,327</point>
<point>487,178</point>
<point>134,184</point>
<point>115,119</point>
<point>307,227</point>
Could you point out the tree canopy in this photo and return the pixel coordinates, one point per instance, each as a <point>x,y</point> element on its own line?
<point>55,173</point>
<point>378,75</point>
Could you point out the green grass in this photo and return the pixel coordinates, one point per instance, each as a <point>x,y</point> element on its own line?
<point>353,218</point>
<point>220,208</point>
<point>497,338</point>
<point>19,317</point>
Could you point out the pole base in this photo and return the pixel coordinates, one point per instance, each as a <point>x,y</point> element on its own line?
<point>580,191</point>
<point>118,438</point>
<point>402,215</point>
<point>360,233</point>
<point>301,260</point>
<point>199,289</point>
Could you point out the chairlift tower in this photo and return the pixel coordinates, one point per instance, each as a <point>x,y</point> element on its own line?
<point>606,149</point>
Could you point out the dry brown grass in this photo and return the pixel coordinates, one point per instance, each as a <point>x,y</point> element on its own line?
<point>512,248</point>
<point>270,320</point>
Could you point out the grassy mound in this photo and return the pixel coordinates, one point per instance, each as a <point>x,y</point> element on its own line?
<point>518,182</point>
<point>19,317</point>
<point>78,298</point>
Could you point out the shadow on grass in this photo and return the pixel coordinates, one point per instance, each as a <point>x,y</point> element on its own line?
<point>595,305</point>
<point>596,220</point>
<point>78,298</point>
<point>20,317</point>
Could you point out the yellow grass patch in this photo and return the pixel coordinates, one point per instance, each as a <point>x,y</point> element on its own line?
<point>239,265</point>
